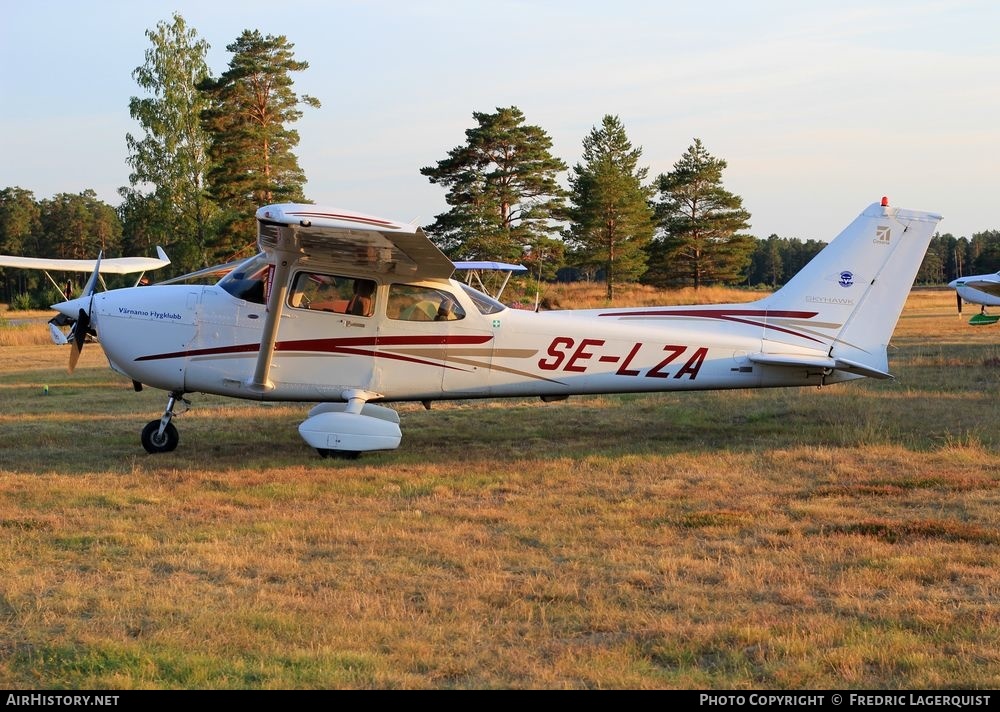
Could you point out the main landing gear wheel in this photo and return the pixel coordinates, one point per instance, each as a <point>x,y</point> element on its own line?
<point>338,454</point>
<point>155,442</point>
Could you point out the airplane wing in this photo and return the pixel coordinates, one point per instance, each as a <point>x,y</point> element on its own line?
<point>114,265</point>
<point>346,238</point>
<point>499,266</point>
<point>475,271</point>
<point>989,283</point>
<point>216,271</point>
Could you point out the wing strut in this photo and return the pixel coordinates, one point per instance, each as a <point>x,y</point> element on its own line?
<point>59,289</point>
<point>275,303</point>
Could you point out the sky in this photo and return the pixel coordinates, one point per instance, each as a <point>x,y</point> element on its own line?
<point>818,108</point>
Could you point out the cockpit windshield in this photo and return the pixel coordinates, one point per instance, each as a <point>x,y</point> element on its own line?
<point>485,304</point>
<point>248,279</point>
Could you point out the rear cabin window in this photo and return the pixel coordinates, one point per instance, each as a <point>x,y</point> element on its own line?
<point>485,304</point>
<point>411,303</point>
<point>332,293</point>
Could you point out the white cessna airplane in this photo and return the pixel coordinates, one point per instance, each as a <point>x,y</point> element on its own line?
<point>981,289</point>
<point>349,310</point>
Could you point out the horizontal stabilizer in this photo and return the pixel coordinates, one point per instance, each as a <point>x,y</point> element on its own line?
<point>844,364</point>
<point>58,338</point>
<point>818,361</point>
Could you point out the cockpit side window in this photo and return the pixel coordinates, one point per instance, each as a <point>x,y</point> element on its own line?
<point>333,293</point>
<point>408,302</point>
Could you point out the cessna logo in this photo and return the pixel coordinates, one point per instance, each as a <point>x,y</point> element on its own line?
<point>882,234</point>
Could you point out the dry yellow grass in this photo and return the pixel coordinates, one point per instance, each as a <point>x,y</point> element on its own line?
<point>24,328</point>
<point>581,295</point>
<point>835,538</point>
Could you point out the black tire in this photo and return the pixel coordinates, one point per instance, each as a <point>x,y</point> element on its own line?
<point>164,443</point>
<point>339,454</point>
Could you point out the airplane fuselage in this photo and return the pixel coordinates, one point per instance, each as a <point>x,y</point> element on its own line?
<point>182,338</point>
<point>348,310</point>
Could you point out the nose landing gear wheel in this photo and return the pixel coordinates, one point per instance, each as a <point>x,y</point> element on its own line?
<point>154,442</point>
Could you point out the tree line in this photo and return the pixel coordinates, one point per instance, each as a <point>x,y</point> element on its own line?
<point>214,149</point>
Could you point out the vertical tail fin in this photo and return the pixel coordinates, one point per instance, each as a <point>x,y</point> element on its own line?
<point>849,297</point>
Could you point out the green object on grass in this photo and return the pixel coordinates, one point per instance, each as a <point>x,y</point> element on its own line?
<point>983,319</point>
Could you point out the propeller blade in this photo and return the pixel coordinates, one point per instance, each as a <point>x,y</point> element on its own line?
<point>79,333</point>
<point>958,298</point>
<point>91,286</point>
<point>74,356</point>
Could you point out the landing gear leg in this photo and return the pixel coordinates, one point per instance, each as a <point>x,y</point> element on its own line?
<point>161,435</point>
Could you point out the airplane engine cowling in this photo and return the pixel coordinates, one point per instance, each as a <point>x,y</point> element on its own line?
<point>350,432</point>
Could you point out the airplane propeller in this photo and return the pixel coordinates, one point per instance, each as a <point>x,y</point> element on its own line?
<point>958,299</point>
<point>82,326</point>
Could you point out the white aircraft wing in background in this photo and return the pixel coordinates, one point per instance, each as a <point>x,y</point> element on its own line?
<point>113,265</point>
<point>475,272</point>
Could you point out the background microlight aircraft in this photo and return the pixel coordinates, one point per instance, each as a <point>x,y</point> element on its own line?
<point>349,310</point>
<point>981,289</point>
<point>114,265</point>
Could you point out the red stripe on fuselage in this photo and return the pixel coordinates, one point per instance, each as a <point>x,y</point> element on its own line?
<point>737,316</point>
<point>348,345</point>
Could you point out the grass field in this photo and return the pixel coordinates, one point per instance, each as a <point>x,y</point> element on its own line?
<point>838,538</point>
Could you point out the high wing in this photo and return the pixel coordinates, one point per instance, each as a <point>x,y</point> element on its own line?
<point>216,271</point>
<point>114,265</point>
<point>346,238</point>
<point>981,289</point>
<point>474,273</point>
<point>989,283</point>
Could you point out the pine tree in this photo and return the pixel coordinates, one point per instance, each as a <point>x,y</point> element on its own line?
<point>984,252</point>
<point>701,221</point>
<point>250,109</point>
<point>79,227</point>
<point>502,189</point>
<point>611,218</point>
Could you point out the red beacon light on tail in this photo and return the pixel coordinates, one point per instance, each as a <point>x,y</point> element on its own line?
<point>885,202</point>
